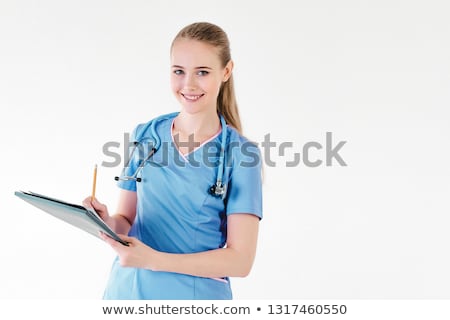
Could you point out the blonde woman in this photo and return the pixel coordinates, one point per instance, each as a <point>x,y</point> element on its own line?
<point>191,199</point>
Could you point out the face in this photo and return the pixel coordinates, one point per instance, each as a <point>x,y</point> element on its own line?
<point>197,75</point>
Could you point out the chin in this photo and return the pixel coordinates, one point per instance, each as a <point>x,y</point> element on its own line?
<point>192,108</point>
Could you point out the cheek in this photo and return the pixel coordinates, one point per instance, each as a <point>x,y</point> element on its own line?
<point>213,86</point>
<point>175,84</point>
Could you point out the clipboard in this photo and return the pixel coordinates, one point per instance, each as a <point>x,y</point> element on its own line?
<point>79,216</point>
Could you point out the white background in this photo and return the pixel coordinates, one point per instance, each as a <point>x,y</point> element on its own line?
<point>77,74</point>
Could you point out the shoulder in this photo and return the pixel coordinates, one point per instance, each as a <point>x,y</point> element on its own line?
<point>243,151</point>
<point>235,137</point>
<point>145,129</point>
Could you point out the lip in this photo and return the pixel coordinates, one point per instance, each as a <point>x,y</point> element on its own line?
<point>192,97</point>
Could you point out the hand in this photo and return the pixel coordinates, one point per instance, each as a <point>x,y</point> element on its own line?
<point>100,208</point>
<point>136,255</point>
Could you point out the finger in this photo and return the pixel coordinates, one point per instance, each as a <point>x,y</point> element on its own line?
<point>87,202</point>
<point>127,238</point>
<point>98,205</point>
<point>107,238</point>
<point>114,243</point>
<point>102,235</point>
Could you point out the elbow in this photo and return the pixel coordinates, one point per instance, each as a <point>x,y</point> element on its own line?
<point>245,267</point>
<point>243,273</point>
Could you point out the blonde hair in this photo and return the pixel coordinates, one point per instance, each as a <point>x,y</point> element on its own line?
<point>213,35</point>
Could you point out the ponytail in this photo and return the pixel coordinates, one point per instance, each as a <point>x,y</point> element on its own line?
<point>227,105</point>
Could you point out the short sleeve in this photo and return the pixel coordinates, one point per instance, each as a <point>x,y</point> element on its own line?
<point>245,184</point>
<point>131,160</point>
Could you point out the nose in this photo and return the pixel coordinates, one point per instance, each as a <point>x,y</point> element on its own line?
<point>190,83</point>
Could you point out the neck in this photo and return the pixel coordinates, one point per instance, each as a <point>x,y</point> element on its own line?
<point>202,124</point>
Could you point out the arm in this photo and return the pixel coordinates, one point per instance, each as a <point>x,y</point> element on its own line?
<point>122,220</point>
<point>235,260</point>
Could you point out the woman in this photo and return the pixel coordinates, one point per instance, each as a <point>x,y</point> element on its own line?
<point>192,217</point>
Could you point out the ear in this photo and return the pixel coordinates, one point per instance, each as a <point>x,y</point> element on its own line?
<point>227,71</point>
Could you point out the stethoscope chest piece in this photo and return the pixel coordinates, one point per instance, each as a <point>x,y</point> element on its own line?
<point>218,190</point>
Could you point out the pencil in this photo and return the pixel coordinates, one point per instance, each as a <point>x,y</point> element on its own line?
<point>94,182</point>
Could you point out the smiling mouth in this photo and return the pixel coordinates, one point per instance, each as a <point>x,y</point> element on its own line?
<point>192,97</point>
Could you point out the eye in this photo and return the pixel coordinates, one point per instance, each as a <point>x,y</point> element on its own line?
<point>178,72</point>
<point>203,73</point>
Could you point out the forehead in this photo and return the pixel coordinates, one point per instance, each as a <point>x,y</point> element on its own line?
<point>190,53</point>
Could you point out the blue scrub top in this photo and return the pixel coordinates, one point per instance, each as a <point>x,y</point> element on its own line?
<point>176,214</point>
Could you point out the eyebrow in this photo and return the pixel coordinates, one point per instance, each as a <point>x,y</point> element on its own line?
<point>201,67</point>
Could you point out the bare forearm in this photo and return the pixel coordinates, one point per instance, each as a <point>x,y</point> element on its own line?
<point>125,213</point>
<point>235,260</point>
<point>211,264</point>
<point>119,224</point>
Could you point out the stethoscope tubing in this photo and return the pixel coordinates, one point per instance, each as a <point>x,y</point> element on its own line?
<point>218,189</point>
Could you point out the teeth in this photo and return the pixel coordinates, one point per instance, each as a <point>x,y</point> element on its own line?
<point>191,97</point>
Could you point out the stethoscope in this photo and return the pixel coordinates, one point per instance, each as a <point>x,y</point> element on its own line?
<point>218,189</point>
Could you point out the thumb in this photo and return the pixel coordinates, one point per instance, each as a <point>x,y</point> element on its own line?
<point>87,202</point>
<point>98,205</point>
